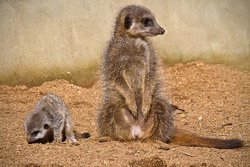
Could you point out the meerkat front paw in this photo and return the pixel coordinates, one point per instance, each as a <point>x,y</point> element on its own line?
<point>132,107</point>
<point>146,107</point>
<point>58,138</point>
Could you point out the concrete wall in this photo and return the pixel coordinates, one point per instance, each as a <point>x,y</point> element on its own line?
<point>47,39</point>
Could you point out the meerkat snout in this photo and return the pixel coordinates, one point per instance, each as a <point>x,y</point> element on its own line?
<point>142,27</point>
<point>162,31</point>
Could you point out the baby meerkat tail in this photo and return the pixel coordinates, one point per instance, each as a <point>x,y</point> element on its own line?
<point>184,138</point>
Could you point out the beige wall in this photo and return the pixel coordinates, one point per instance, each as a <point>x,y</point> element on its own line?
<point>47,39</point>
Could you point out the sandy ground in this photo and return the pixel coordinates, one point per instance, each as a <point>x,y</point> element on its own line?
<point>217,103</point>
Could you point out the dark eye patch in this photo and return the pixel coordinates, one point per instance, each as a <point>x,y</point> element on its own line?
<point>35,133</point>
<point>127,22</point>
<point>147,22</point>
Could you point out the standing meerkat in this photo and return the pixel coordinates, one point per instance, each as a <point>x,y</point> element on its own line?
<point>134,106</point>
<point>50,120</point>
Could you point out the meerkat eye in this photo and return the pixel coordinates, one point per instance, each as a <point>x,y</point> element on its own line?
<point>127,22</point>
<point>35,133</point>
<point>46,126</point>
<point>148,22</point>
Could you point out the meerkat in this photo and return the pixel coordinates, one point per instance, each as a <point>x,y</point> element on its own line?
<point>134,106</point>
<point>50,120</point>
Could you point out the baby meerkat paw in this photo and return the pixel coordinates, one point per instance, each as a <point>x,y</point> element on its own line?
<point>58,140</point>
<point>58,137</point>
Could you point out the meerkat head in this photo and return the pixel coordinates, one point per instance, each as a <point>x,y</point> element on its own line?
<point>137,21</point>
<point>38,128</point>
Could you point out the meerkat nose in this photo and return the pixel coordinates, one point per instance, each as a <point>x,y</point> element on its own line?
<point>136,136</point>
<point>162,31</point>
<point>29,141</point>
<point>136,132</point>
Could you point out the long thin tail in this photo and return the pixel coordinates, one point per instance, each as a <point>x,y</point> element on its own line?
<point>184,138</point>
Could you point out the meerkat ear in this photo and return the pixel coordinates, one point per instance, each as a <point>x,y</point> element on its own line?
<point>127,22</point>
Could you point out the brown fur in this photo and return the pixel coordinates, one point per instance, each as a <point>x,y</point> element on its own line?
<point>134,105</point>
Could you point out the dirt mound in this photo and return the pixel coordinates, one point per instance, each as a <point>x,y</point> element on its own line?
<point>216,100</point>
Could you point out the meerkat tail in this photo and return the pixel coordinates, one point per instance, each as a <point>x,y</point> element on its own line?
<point>82,135</point>
<point>184,138</point>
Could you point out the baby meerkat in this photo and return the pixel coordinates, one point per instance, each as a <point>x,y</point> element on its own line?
<point>50,120</point>
<point>134,106</point>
